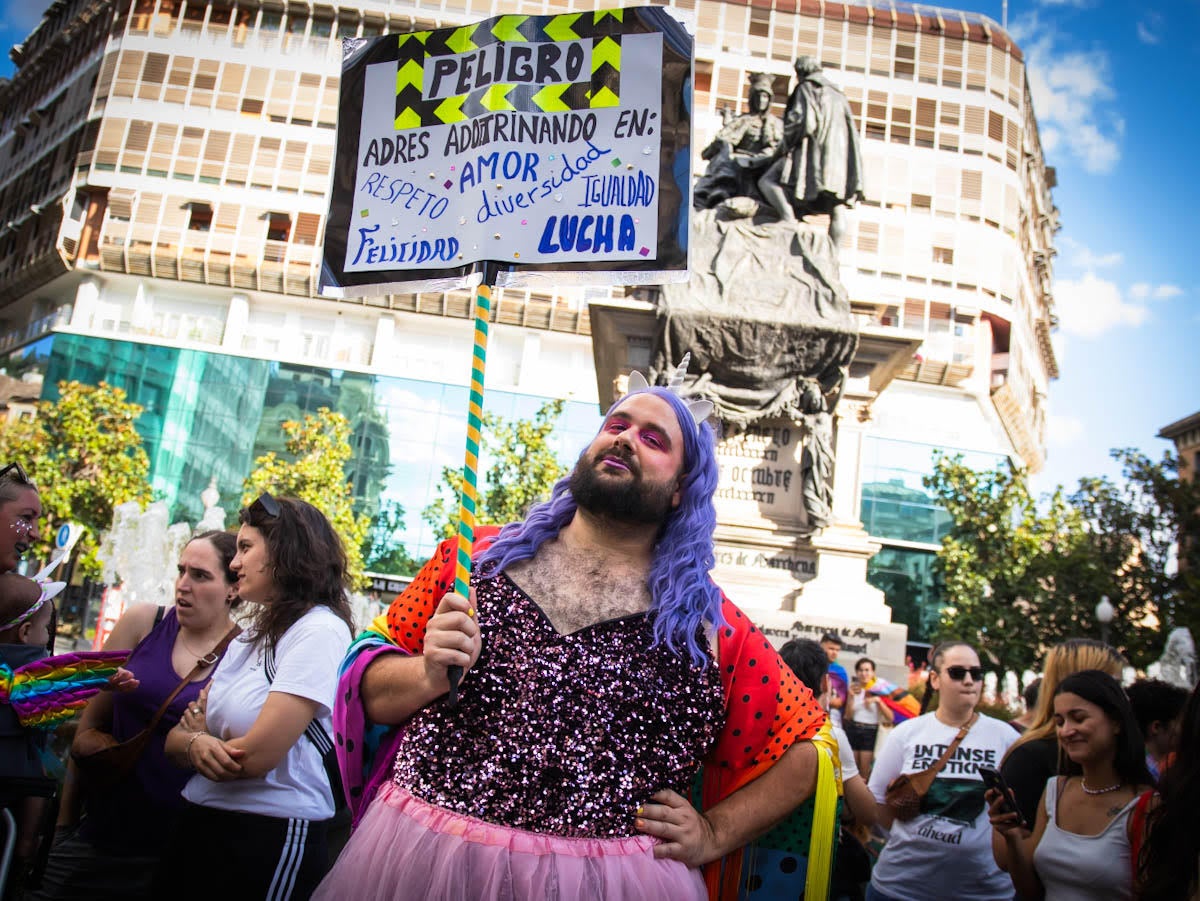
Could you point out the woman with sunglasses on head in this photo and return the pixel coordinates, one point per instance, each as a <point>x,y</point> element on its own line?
<point>944,851</point>
<point>20,511</point>
<point>1079,847</point>
<point>1034,757</point>
<point>111,852</point>
<point>256,812</point>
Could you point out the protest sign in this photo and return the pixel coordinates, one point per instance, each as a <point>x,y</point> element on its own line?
<point>517,150</point>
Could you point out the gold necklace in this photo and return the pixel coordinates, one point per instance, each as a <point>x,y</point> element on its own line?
<point>200,658</point>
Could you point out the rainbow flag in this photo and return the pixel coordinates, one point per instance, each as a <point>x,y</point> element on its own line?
<point>903,705</point>
<point>48,692</point>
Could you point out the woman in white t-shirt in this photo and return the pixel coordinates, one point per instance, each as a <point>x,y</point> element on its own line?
<point>254,824</point>
<point>863,715</point>
<point>945,851</point>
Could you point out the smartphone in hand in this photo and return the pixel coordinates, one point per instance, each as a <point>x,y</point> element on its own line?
<point>992,779</point>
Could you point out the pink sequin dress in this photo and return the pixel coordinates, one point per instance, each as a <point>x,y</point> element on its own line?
<point>528,789</point>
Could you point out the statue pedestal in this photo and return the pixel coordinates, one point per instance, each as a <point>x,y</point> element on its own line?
<point>775,344</point>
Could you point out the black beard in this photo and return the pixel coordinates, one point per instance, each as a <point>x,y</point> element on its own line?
<point>630,501</point>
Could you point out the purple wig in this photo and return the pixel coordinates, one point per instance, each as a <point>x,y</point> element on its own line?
<point>683,597</point>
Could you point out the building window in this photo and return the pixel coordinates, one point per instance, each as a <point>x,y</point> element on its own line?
<point>760,22</point>
<point>201,217</point>
<point>943,255</point>
<point>79,205</point>
<point>279,226</point>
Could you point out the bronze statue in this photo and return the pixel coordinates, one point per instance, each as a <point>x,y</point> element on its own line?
<point>818,167</point>
<point>817,458</point>
<point>741,151</point>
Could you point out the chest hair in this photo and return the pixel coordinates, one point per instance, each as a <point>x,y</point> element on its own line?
<point>576,590</point>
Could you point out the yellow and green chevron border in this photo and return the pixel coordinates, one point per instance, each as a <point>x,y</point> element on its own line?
<point>605,28</point>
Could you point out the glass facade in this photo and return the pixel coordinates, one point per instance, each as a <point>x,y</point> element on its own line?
<point>895,502</point>
<point>210,414</point>
<point>906,578</point>
<point>896,506</point>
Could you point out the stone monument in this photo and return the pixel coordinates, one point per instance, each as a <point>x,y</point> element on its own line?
<point>1177,664</point>
<point>773,342</point>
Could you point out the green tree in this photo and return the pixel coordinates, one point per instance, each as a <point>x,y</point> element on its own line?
<point>84,453</point>
<point>989,562</point>
<point>520,471</point>
<point>1018,576</point>
<point>382,549</point>
<point>314,470</point>
<point>1145,532</point>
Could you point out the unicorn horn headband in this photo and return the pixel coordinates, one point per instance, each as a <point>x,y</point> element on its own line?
<point>700,409</point>
<point>49,590</point>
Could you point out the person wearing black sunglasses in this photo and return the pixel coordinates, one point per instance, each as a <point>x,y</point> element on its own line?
<point>259,738</point>
<point>945,851</point>
<point>20,512</point>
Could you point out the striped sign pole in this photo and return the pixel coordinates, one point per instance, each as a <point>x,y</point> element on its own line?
<point>469,497</point>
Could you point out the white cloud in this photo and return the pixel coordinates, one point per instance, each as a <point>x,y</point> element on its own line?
<point>1149,29</point>
<point>1073,97</point>
<point>1075,4</point>
<point>1090,306</point>
<point>1083,256</point>
<point>1146,291</point>
<point>1063,430</point>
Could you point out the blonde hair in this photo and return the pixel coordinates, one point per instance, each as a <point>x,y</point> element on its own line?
<point>1072,656</point>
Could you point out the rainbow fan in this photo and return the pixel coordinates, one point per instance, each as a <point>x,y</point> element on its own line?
<point>50,691</point>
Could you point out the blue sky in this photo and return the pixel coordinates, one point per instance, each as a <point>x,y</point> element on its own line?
<point>1112,83</point>
<point>1114,91</point>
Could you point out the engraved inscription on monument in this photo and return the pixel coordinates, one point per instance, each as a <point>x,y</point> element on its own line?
<point>799,566</point>
<point>760,474</point>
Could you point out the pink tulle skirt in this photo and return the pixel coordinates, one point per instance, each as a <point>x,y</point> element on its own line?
<point>405,848</point>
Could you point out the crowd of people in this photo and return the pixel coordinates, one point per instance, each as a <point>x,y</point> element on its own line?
<point>593,720</point>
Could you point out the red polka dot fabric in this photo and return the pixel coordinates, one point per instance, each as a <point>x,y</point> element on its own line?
<point>768,708</point>
<point>767,711</point>
<point>410,612</point>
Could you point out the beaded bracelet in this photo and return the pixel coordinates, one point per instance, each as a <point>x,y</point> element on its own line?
<point>187,751</point>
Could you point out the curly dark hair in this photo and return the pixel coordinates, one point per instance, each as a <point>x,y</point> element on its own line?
<point>225,544</point>
<point>308,566</point>
<point>1172,841</point>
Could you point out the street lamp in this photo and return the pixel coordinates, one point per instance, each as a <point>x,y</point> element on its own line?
<point>1105,612</point>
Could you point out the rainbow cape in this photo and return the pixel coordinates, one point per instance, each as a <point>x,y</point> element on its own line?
<point>903,705</point>
<point>780,711</point>
<point>48,692</point>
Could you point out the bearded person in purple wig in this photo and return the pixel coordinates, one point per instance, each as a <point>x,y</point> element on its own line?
<point>603,671</point>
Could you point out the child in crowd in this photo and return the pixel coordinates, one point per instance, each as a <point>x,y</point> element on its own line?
<point>27,619</point>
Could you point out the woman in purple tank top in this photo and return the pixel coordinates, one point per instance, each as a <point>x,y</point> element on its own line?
<point>119,839</point>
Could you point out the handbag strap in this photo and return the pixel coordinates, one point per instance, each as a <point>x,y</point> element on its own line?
<point>204,662</point>
<point>945,758</point>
